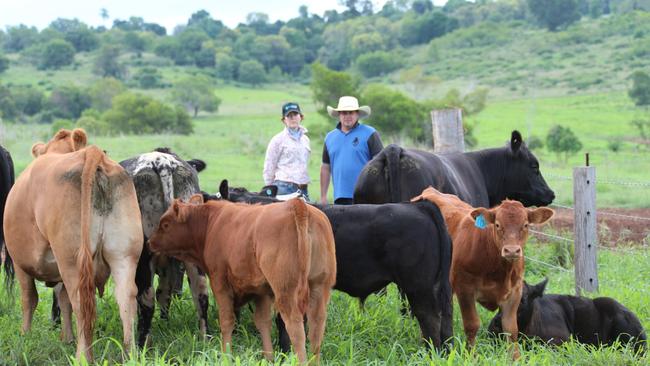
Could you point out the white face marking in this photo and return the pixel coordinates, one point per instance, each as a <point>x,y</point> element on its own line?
<point>156,160</point>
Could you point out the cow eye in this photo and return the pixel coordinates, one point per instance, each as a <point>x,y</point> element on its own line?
<point>526,226</point>
<point>498,226</point>
<point>165,225</point>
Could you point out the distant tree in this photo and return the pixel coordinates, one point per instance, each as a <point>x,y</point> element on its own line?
<point>103,91</point>
<point>140,114</point>
<point>104,14</point>
<point>134,42</point>
<point>420,29</point>
<point>20,37</point>
<point>554,13</point>
<point>8,108</point>
<point>56,54</point>
<point>28,100</point>
<point>328,86</point>
<point>156,29</point>
<point>561,140</point>
<point>107,62</point>
<point>148,78</point>
<point>422,6</point>
<point>203,21</point>
<point>534,143</point>
<point>68,101</point>
<point>640,91</point>
<point>394,112</point>
<point>227,67</point>
<point>83,39</point>
<point>205,57</point>
<point>59,124</point>
<point>252,72</point>
<point>196,93</point>
<point>376,63</point>
<point>4,63</point>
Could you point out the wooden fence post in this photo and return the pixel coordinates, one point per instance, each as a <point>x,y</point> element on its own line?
<point>448,134</point>
<point>586,238</point>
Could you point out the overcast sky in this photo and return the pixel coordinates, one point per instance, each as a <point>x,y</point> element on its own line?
<point>167,13</point>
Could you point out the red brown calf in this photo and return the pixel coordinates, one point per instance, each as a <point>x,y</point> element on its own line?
<point>488,256</point>
<point>282,252</point>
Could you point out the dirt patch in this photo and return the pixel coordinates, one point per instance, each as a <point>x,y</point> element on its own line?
<point>612,230</point>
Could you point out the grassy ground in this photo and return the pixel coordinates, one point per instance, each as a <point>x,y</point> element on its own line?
<point>376,334</point>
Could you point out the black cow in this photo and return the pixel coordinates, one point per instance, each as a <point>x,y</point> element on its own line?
<point>556,319</point>
<point>403,243</point>
<point>483,178</point>
<point>159,177</point>
<point>7,178</point>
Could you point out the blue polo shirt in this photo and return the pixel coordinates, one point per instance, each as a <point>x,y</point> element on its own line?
<point>347,153</point>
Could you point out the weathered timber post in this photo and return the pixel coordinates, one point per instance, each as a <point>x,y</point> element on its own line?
<point>448,134</point>
<point>586,238</point>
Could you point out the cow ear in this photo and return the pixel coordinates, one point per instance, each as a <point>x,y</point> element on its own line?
<point>196,199</point>
<point>540,215</point>
<point>197,164</point>
<point>79,138</point>
<point>538,289</point>
<point>427,191</point>
<point>488,215</point>
<point>515,141</point>
<point>38,149</point>
<point>223,189</point>
<point>179,212</point>
<point>269,191</point>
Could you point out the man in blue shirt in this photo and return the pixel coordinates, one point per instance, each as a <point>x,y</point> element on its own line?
<point>346,150</point>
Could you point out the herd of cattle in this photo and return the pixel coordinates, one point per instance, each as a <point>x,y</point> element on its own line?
<point>435,225</point>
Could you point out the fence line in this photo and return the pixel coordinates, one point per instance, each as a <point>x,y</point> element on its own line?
<point>551,236</point>
<point>547,264</point>
<point>600,181</point>
<point>622,216</point>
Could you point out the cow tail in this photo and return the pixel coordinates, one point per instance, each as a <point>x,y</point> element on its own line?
<point>86,286</point>
<point>444,268</point>
<point>301,215</point>
<point>392,157</point>
<point>167,182</point>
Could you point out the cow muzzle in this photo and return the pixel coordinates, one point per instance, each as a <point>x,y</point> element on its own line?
<point>512,252</point>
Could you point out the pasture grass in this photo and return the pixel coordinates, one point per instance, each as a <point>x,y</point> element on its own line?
<point>376,334</point>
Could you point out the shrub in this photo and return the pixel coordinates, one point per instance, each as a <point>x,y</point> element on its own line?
<point>140,114</point>
<point>394,112</point>
<point>376,63</point>
<point>252,72</point>
<point>93,126</point>
<point>59,124</point>
<point>56,54</point>
<point>534,143</point>
<point>148,78</point>
<point>561,140</point>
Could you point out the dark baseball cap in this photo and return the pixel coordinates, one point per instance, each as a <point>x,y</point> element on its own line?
<point>290,107</point>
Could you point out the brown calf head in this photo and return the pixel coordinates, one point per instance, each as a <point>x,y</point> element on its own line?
<point>173,235</point>
<point>64,141</point>
<point>511,220</point>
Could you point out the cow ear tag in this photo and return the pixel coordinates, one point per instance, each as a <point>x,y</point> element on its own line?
<point>268,192</point>
<point>480,222</point>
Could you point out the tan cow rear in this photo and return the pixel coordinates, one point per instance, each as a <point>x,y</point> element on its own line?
<point>73,217</point>
<point>488,256</point>
<point>282,252</point>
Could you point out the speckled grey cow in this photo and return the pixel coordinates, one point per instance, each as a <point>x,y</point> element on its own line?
<point>159,177</point>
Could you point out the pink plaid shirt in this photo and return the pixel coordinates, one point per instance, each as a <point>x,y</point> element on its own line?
<point>287,159</point>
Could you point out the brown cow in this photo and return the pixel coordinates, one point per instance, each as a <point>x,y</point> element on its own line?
<point>73,217</point>
<point>250,252</point>
<point>488,256</point>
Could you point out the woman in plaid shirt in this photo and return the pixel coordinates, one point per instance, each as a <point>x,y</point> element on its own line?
<point>287,156</point>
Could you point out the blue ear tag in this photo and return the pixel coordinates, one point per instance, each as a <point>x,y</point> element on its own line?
<point>268,192</point>
<point>480,222</point>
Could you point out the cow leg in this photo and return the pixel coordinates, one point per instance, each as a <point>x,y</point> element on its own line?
<point>283,336</point>
<point>28,297</point>
<point>224,299</point>
<point>165,268</point>
<point>123,270</point>
<point>55,311</point>
<point>263,323</point>
<point>316,317</point>
<point>471,320</point>
<point>509,320</point>
<point>66,310</point>
<point>427,312</point>
<point>199,289</point>
<point>145,298</point>
<point>70,276</point>
<point>293,319</point>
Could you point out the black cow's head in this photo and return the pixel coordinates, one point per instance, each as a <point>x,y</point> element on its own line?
<point>239,194</point>
<point>523,181</point>
<point>525,311</point>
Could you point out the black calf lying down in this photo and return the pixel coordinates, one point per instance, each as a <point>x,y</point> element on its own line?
<point>556,318</point>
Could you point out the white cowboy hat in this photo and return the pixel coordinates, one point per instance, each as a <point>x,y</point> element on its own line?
<point>348,104</point>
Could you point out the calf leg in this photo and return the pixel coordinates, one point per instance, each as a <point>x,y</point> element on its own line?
<point>55,311</point>
<point>145,297</point>
<point>165,269</point>
<point>263,306</point>
<point>283,336</point>
<point>293,319</point>
<point>28,297</point>
<point>509,320</point>
<point>317,316</point>
<point>199,289</point>
<point>471,320</point>
<point>224,299</point>
<point>66,310</point>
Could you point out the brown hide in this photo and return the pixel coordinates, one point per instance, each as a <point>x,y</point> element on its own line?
<point>72,217</point>
<point>487,264</point>
<point>282,252</point>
